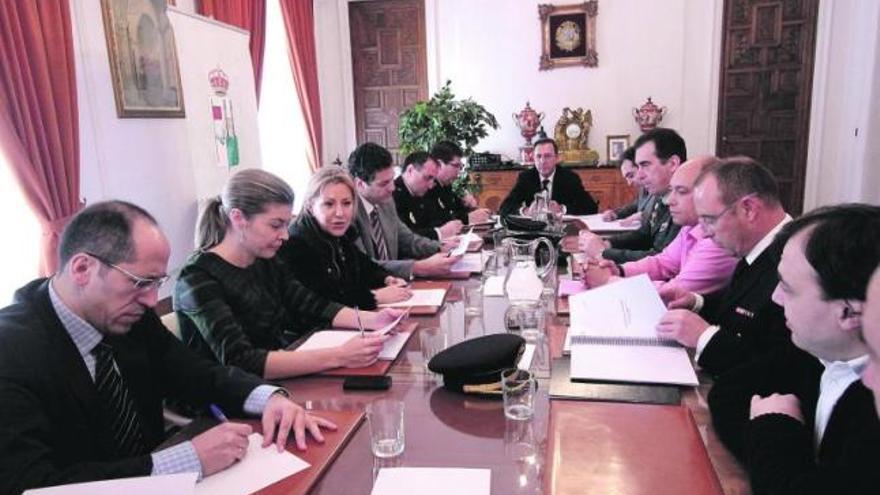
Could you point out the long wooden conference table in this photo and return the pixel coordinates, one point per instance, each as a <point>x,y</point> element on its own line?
<point>619,448</point>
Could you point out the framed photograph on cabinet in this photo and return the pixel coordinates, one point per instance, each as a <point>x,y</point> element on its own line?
<point>143,59</point>
<point>615,146</point>
<point>568,34</point>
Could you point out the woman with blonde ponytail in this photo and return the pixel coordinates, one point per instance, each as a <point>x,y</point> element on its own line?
<point>239,304</point>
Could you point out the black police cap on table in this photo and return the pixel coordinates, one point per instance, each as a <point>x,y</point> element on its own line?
<point>475,365</point>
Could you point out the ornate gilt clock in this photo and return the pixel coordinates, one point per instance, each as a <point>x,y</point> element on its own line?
<point>571,133</point>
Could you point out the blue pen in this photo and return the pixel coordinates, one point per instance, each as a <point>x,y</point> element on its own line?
<point>357,312</point>
<point>218,413</point>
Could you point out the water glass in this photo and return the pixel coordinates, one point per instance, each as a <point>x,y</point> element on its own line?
<point>518,388</point>
<point>432,340</point>
<point>473,300</point>
<point>531,319</point>
<point>385,418</point>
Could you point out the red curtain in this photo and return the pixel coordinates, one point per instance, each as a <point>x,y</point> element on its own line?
<point>249,15</point>
<point>299,21</point>
<point>39,131</point>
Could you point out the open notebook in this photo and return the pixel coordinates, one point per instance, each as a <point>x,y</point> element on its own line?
<point>612,337</point>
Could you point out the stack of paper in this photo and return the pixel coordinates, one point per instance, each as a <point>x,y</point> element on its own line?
<point>420,297</point>
<point>612,336</point>
<point>432,481</point>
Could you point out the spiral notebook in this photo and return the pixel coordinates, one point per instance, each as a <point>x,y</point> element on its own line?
<point>612,337</point>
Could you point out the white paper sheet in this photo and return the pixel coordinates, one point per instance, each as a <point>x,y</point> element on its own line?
<point>494,286</point>
<point>463,243</point>
<point>432,481</point>
<point>420,297</point>
<point>259,468</point>
<point>596,224</point>
<point>633,364</point>
<point>470,262</point>
<point>326,339</point>
<point>627,307</point>
<point>525,361</point>
<point>172,484</point>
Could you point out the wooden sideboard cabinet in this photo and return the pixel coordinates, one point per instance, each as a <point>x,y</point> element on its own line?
<point>605,184</point>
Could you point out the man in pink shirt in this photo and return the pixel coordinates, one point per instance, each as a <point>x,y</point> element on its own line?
<point>691,261</point>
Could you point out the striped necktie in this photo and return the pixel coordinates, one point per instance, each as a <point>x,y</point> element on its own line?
<point>378,236</point>
<point>116,401</point>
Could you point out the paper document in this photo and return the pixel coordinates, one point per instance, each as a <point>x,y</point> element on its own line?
<point>326,339</point>
<point>525,361</point>
<point>259,468</point>
<point>494,286</point>
<point>389,327</point>
<point>470,262</point>
<point>612,336</point>
<point>171,484</point>
<point>463,243</point>
<point>596,224</point>
<point>420,297</point>
<point>569,287</point>
<point>432,481</point>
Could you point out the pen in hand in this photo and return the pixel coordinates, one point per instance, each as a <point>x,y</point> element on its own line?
<point>218,413</point>
<point>357,313</point>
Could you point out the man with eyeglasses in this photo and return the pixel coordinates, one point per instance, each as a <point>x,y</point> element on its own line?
<point>85,365</point>
<point>799,418</point>
<point>448,205</point>
<point>737,204</point>
<point>564,187</point>
<point>410,197</point>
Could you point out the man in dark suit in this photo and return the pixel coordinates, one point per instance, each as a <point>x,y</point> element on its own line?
<point>447,204</point>
<point>800,418</point>
<point>381,233</point>
<point>658,153</point>
<point>411,198</point>
<point>85,365</point>
<point>566,191</point>
<point>737,202</point>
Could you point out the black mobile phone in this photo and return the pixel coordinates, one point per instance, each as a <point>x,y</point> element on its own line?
<point>382,382</point>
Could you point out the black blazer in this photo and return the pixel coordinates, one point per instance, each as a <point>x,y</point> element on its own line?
<point>777,450</point>
<point>568,190</point>
<point>417,213</point>
<point>447,205</point>
<point>51,426</point>
<point>332,267</point>
<point>750,323</point>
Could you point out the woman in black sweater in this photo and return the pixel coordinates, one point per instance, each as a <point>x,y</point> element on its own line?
<point>321,252</point>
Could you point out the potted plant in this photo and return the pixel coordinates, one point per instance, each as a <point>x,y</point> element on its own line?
<point>444,118</point>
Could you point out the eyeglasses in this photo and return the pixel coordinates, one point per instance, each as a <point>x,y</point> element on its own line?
<point>456,164</point>
<point>711,220</point>
<point>139,283</point>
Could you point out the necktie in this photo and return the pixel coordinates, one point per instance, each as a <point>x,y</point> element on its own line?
<point>378,236</point>
<point>117,403</point>
<point>544,184</point>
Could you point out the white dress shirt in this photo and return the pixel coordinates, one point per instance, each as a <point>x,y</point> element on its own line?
<point>836,378</point>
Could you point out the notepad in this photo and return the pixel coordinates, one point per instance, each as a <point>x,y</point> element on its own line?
<point>463,243</point>
<point>327,339</point>
<point>259,468</point>
<point>596,224</point>
<point>432,481</point>
<point>171,484</point>
<point>470,262</point>
<point>420,297</point>
<point>612,336</point>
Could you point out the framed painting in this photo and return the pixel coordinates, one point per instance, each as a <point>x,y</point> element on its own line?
<point>143,59</point>
<point>615,146</point>
<point>568,34</point>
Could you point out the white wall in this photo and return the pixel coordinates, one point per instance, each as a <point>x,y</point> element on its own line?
<point>845,120</point>
<point>490,51</point>
<point>146,161</point>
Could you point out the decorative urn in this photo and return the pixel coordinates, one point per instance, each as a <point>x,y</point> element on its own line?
<point>649,115</point>
<point>528,121</point>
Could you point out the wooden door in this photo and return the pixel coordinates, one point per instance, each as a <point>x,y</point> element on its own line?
<point>766,80</point>
<point>389,66</point>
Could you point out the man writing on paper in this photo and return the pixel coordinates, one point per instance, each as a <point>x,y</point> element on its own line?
<point>800,418</point>
<point>629,214</point>
<point>411,200</point>
<point>737,202</point>
<point>659,153</point>
<point>85,365</point>
<point>692,262</point>
<point>447,204</point>
<point>382,235</point>
<point>564,187</point>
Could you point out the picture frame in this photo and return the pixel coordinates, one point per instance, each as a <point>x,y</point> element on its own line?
<point>568,35</point>
<point>615,146</point>
<point>143,59</point>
